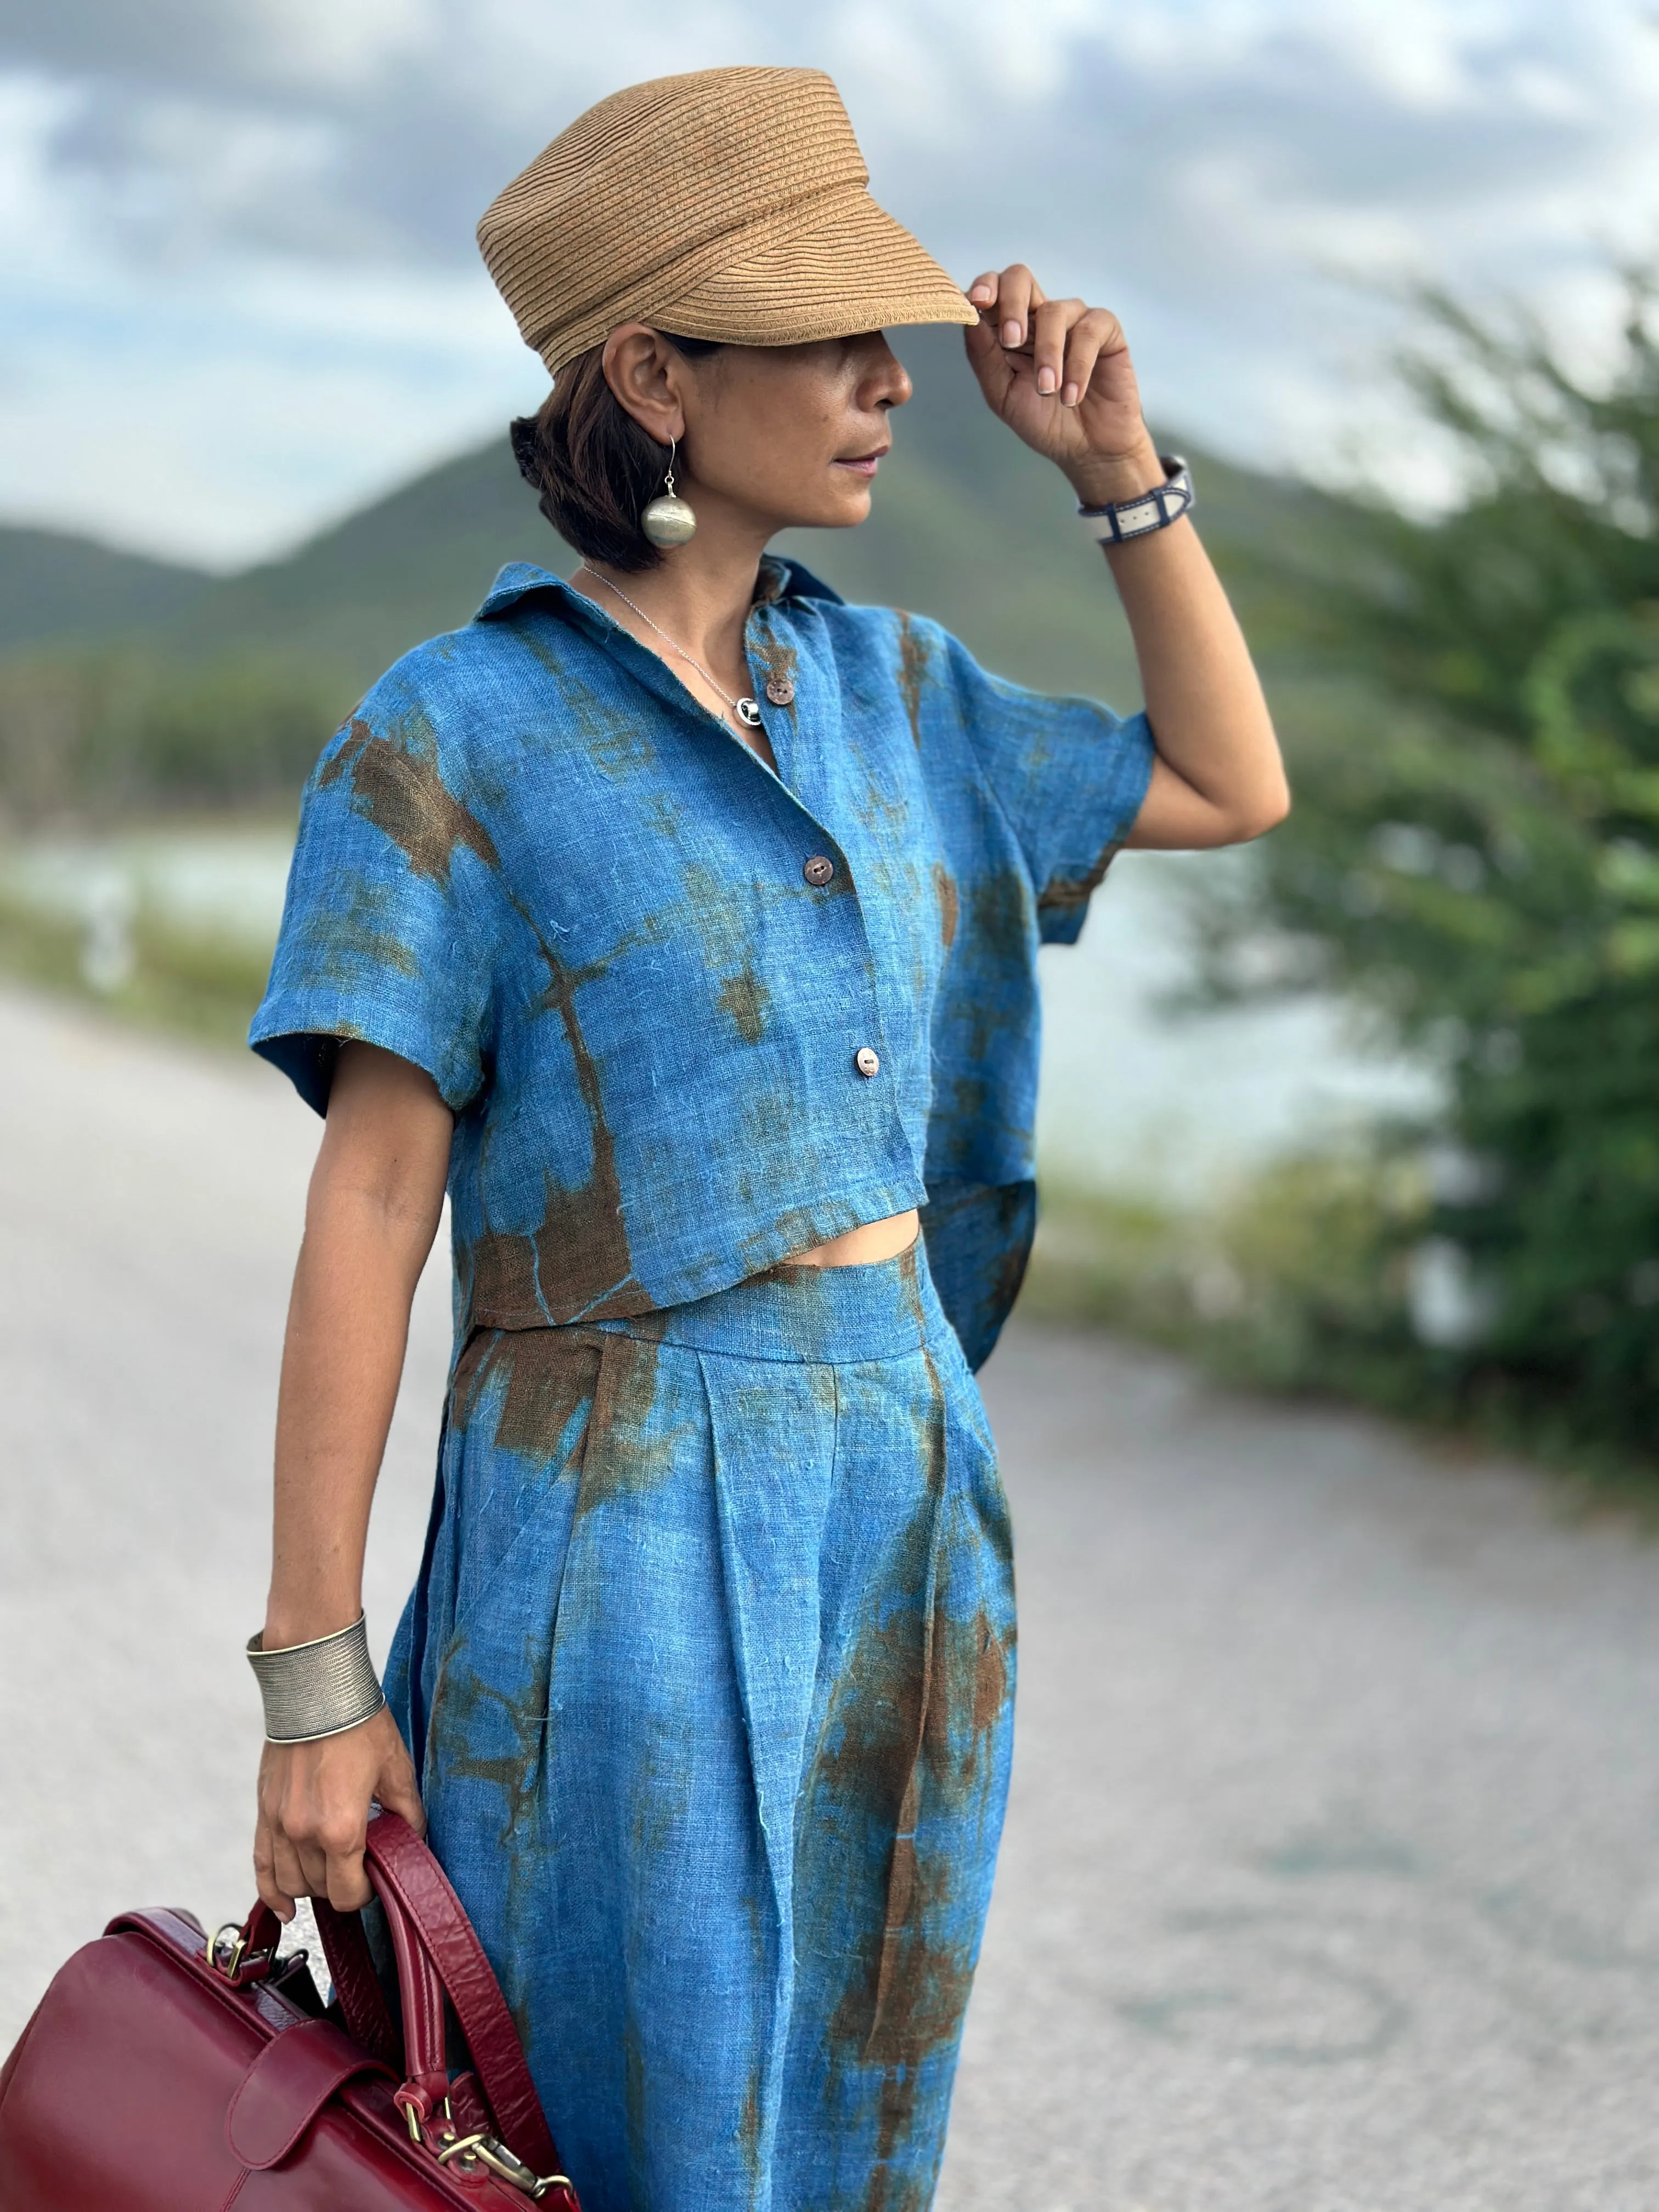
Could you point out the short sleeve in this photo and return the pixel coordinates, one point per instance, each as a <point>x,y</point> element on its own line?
<point>387,924</point>
<point>1068,774</point>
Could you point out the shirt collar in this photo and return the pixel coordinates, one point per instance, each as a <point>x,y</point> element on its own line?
<point>780,579</point>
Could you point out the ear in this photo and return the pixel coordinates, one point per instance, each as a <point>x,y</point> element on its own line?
<point>647,377</point>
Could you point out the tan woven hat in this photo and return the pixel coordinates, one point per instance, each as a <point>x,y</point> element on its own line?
<point>730,204</point>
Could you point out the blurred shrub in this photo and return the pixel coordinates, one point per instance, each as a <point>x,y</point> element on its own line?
<point>1476,858</point>
<point>1299,1280</point>
<point>106,732</point>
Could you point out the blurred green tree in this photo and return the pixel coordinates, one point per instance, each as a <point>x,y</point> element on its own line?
<point>106,733</point>
<point>1474,854</point>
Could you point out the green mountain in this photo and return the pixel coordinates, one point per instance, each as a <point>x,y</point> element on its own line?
<point>54,587</point>
<point>175,686</point>
<point>415,563</point>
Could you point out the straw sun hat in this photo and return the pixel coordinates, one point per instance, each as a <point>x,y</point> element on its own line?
<point>731,204</point>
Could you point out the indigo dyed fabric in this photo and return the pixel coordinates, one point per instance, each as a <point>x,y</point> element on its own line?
<point>708,1677</point>
<point>534,866</point>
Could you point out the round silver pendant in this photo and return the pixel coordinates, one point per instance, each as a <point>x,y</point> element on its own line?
<point>668,521</point>
<point>749,713</point>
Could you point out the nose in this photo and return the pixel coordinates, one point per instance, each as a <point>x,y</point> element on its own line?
<point>885,381</point>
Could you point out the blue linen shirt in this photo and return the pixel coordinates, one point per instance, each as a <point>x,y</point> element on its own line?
<point>533,865</point>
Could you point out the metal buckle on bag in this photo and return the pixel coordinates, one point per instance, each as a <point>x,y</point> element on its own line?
<point>241,1956</point>
<point>496,2157</point>
<point>413,2112</point>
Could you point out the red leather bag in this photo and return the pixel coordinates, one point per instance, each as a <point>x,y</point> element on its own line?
<point>165,2073</point>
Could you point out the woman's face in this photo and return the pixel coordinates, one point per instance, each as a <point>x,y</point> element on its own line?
<point>778,434</point>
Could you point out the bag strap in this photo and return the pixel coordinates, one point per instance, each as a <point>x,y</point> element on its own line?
<point>415,1890</point>
<point>356,1983</point>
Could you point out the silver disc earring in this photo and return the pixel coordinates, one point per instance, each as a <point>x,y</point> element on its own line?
<point>669,519</point>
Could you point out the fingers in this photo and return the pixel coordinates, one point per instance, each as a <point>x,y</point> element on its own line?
<point>397,1792</point>
<point>323,1859</point>
<point>1050,324</point>
<point>1096,335</point>
<point>1006,299</point>
<point>345,1884</point>
<point>273,1892</point>
<point>1056,342</point>
<point>313,1812</point>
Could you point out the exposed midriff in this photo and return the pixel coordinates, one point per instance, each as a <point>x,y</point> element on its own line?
<point>857,1247</point>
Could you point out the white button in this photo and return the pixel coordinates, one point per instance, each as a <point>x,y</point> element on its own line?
<point>867,1061</point>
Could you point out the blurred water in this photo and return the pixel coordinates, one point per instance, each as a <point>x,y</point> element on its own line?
<point>1133,1096</point>
<point>225,877</point>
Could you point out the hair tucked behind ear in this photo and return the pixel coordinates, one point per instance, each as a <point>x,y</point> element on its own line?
<point>594,469</point>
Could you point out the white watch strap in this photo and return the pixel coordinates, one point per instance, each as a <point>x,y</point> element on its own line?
<point>1147,511</point>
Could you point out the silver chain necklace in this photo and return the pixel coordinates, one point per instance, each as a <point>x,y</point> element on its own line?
<point>746,710</point>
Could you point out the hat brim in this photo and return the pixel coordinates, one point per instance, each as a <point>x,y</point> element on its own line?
<point>852,269</point>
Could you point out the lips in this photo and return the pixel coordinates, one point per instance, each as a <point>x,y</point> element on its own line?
<point>863,465</point>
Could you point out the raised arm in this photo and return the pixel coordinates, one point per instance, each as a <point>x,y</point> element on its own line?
<point>1059,374</point>
<point>376,1195</point>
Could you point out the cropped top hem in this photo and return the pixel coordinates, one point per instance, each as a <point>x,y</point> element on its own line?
<point>830,1215</point>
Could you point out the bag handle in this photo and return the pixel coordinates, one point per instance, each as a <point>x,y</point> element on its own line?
<point>438,1955</point>
<point>356,1983</point>
<point>437,1952</point>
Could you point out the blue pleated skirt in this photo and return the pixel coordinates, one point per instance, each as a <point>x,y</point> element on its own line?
<point>708,1676</point>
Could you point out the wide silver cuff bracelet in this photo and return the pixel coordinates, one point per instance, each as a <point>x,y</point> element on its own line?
<point>317,1689</point>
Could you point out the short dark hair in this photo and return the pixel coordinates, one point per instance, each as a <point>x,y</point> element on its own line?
<point>592,467</point>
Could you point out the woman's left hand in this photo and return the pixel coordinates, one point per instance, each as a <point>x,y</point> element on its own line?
<point>1058,373</point>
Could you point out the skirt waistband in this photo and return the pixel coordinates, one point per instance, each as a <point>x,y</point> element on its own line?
<point>880,1310</point>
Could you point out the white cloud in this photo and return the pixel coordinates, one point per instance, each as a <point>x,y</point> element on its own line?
<point>322,45</point>
<point>271,205</point>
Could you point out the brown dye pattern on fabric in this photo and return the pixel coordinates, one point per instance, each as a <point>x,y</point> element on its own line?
<point>618,745</point>
<point>634,2105</point>
<point>749,2127</point>
<point>549,1377</point>
<point>999,915</point>
<point>577,1263</point>
<point>945,887</point>
<point>745,1000</point>
<point>972,1661</point>
<point>1076,890</point>
<point>724,921</point>
<point>459,1699</point>
<point>915,658</point>
<point>338,939</point>
<point>911,1723</point>
<point>778,661</point>
<point>895,1993</point>
<point>400,791</point>
<point>626,1452</point>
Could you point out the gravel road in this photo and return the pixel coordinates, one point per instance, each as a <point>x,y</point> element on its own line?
<point>1330,1881</point>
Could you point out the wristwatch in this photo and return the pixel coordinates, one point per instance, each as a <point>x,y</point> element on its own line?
<point>1123,519</point>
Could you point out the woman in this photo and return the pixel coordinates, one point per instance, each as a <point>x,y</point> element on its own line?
<point>682,921</point>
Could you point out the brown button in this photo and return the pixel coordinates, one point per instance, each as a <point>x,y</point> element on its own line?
<point>867,1061</point>
<point>780,690</point>
<point>819,868</point>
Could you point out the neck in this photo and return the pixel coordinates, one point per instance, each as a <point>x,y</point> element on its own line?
<point>701,593</point>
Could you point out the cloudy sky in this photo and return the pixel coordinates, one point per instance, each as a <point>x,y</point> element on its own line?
<point>238,291</point>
